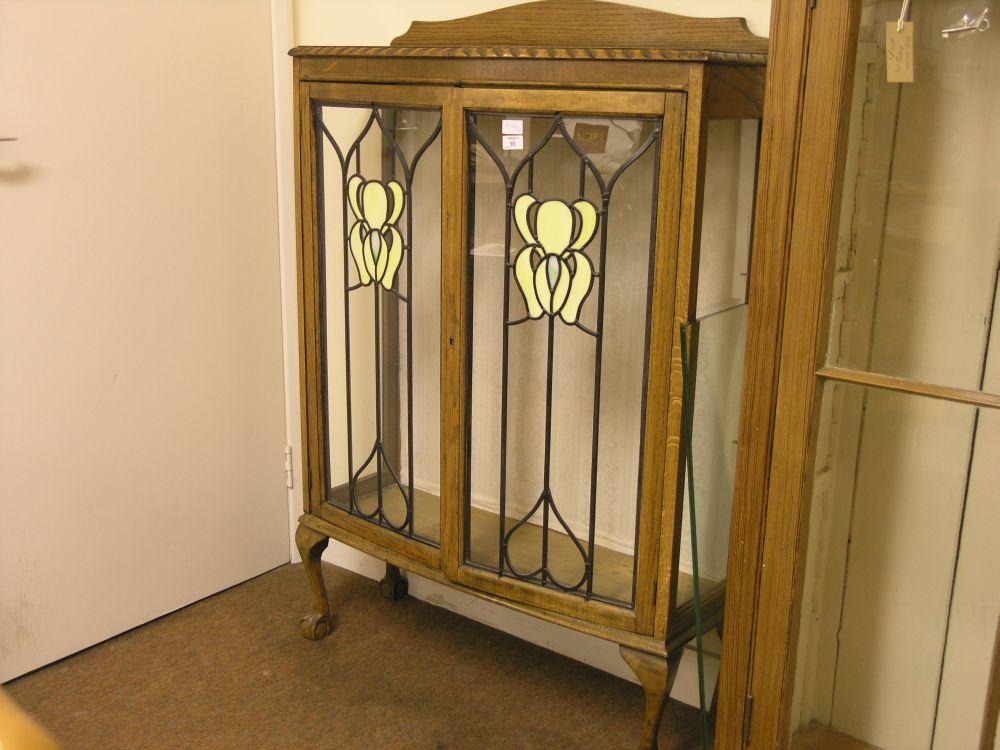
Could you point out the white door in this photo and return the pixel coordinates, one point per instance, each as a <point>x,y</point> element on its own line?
<point>141,394</point>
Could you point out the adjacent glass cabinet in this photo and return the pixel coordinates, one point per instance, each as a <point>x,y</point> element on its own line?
<point>506,222</point>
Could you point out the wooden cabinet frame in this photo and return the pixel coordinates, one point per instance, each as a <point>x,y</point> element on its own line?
<point>810,69</point>
<point>572,56</point>
<point>807,107</point>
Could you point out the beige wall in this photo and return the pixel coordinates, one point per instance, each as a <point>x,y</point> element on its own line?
<point>142,429</point>
<point>377,22</point>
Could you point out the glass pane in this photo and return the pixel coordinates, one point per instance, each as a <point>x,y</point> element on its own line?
<point>900,602</point>
<point>917,255</point>
<point>560,243</point>
<point>719,338</point>
<point>727,215</point>
<point>380,241</point>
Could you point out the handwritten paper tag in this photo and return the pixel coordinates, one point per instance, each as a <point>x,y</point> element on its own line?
<point>513,142</point>
<point>899,52</point>
<point>512,127</point>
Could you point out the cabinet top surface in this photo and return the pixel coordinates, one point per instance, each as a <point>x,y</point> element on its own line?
<point>573,30</point>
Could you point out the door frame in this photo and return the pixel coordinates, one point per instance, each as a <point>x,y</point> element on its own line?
<point>807,103</point>
<point>670,107</point>
<point>311,351</point>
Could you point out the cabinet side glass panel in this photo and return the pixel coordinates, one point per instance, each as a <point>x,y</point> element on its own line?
<point>900,602</point>
<point>918,256</point>
<point>900,599</point>
<point>379,207</point>
<point>718,336</point>
<point>560,243</point>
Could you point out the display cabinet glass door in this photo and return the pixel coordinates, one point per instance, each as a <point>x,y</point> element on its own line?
<point>378,206</point>
<point>561,242</point>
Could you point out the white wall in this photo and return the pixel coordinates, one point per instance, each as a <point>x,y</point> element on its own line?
<point>376,23</point>
<point>141,420</point>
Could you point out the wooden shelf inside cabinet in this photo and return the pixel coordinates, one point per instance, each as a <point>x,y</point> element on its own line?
<point>500,232</point>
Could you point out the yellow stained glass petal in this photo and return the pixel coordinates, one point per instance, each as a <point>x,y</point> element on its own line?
<point>541,288</point>
<point>525,276</point>
<point>374,204</point>
<point>382,256</point>
<point>353,185</point>
<point>588,217</point>
<point>393,255</point>
<point>356,244</point>
<point>397,201</point>
<point>580,286</point>
<point>369,256</point>
<point>551,299</point>
<point>561,292</point>
<point>521,206</point>
<point>554,224</point>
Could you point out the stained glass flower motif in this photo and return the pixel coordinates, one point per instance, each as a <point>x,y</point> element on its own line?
<point>375,242</point>
<point>552,272</point>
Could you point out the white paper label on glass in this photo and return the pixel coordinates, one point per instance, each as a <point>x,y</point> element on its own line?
<point>513,142</point>
<point>512,127</point>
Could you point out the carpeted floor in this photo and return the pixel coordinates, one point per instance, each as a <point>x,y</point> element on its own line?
<point>232,671</point>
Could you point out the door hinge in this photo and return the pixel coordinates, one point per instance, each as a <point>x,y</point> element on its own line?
<point>747,713</point>
<point>289,477</point>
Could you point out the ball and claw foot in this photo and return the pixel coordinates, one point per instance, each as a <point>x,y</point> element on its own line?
<point>315,626</point>
<point>393,586</point>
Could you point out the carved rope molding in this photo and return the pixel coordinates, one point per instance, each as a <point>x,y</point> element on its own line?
<point>538,53</point>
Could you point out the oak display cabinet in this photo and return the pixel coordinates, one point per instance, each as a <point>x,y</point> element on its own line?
<point>504,221</point>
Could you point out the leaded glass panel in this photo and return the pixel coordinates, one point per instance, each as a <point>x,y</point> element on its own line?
<point>560,239</point>
<point>379,178</point>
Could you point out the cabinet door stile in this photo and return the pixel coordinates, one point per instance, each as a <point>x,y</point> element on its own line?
<point>453,332</point>
<point>686,284</point>
<point>309,338</point>
<point>658,500</point>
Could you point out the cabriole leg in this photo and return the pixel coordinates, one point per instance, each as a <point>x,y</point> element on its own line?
<point>393,586</point>
<point>656,674</point>
<point>311,545</point>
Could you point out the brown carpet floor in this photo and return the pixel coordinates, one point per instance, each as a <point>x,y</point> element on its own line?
<point>232,671</point>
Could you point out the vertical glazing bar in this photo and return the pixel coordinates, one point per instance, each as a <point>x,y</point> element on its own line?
<point>320,141</point>
<point>351,497</point>
<point>470,285</point>
<point>392,399</point>
<point>408,249</point>
<point>503,386</point>
<point>379,457</point>
<point>378,373</point>
<point>547,471</point>
<point>599,344</point>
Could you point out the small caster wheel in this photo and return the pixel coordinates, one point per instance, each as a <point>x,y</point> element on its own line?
<point>393,587</point>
